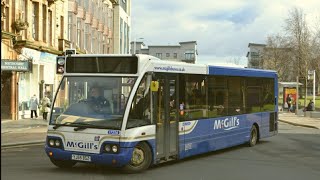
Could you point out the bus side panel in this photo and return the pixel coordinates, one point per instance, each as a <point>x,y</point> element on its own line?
<point>251,119</point>
<point>181,140</point>
<point>237,132</point>
<point>197,137</point>
<point>213,134</point>
<point>265,125</point>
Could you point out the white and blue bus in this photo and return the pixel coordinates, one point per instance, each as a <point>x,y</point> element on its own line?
<point>156,111</point>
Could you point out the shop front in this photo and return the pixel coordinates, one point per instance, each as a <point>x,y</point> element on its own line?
<point>39,81</point>
<point>10,70</point>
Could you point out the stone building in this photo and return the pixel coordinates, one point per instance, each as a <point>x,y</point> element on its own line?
<point>35,32</point>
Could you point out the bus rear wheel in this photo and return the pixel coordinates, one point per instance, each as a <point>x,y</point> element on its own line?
<point>253,136</point>
<point>63,164</point>
<point>140,160</point>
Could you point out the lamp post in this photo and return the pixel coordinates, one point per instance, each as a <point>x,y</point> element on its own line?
<point>134,45</point>
<point>312,74</point>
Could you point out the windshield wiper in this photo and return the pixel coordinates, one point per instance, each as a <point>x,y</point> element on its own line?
<point>81,126</point>
<point>68,124</point>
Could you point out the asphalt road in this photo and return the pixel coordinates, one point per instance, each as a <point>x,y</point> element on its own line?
<point>293,154</point>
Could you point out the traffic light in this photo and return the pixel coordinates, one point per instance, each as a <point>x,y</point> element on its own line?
<point>60,61</point>
<point>70,51</point>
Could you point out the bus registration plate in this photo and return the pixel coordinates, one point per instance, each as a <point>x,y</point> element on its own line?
<point>81,158</point>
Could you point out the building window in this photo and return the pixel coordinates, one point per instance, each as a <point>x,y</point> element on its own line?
<point>121,31</point>
<point>86,4</point>
<point>44,23</point>
<point>167,54</point>
<point>189,56</point>
<point>128,32</point>
<point>175,55</point>
<point>50,27</point>
<point>104,45</point>
<point>93,41</point>
<point>70,21</point>
<point>86,39</point>
<point>123,4</point>
<point>100,40</point>
<point>78,32</point>
<point>34,21</point>
<point>159,55</point>
<point>125,38</point>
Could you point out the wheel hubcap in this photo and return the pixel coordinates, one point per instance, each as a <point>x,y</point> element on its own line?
<point>137,157</point>
<point>254,137</point>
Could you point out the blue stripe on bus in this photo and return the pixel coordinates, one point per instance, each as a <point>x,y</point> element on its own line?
<point>244,72</point>
<point>205,138</point>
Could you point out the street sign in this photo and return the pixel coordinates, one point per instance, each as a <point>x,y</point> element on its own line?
<point>14,65</point>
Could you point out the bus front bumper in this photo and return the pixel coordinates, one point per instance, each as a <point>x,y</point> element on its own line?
<point>116,160</point>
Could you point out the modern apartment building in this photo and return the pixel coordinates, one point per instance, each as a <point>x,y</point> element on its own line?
<point>254,55</point>
<point>35,32</point>
<point>185,51</point>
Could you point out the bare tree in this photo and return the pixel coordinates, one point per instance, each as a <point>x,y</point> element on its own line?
<point>300,36</point>
<point>277,55</point>
<point>315,51</point>
<point>235,60</point>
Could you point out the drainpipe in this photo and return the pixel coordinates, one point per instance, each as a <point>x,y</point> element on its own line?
<point>13,96</point>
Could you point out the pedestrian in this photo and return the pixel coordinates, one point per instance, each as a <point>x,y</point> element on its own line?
<point>45,106</point>
<point>310,106</point>
<point>289,101</point>
<point>34,105</point>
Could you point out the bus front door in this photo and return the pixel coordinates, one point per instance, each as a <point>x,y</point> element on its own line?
<point>166,116</point>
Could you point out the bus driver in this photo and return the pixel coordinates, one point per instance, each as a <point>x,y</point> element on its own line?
<point>99,103</point>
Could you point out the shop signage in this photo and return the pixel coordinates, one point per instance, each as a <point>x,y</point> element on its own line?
<point>14,65</point>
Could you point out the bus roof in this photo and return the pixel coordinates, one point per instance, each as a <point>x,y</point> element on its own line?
<point>151,63</point>
<point>245,72</point>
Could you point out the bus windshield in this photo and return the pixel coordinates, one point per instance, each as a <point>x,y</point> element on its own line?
<point>97,102</point>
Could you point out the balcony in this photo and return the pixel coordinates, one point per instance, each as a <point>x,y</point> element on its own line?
<point>20,25</point>
<point>114,1</point>
<point>50,2</point>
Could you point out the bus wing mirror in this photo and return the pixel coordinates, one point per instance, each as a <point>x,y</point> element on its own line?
<point>154,86</point>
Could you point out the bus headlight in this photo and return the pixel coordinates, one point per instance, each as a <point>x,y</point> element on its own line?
<point>51,142</point>
<point>107,148</point>
<point>57,143</point>
<point>115,148</point>
<point>110,148</point>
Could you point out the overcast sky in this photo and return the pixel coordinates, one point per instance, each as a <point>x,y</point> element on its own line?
<point>222,28</point>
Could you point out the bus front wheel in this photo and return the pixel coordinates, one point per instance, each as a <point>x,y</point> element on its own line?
<point>140,160</point>
<point>253,136</point>
<point>63,164</point>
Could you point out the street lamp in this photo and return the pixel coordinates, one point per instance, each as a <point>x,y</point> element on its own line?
<point>312,75</point>
<point>134,46</point>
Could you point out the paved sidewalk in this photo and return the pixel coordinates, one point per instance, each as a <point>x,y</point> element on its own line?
<point>25,131</point>
<point>32,131</point>
<point>299,120</point>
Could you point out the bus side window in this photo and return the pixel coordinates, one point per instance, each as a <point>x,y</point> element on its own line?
<point>140,114</point>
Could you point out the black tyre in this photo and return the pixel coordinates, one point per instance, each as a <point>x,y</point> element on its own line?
<point>140,160</point>
<point>63,164</point>
<point>253,136</point>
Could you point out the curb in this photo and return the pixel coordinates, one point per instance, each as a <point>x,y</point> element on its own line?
<point>297,124</point>
<point>27,143</point>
